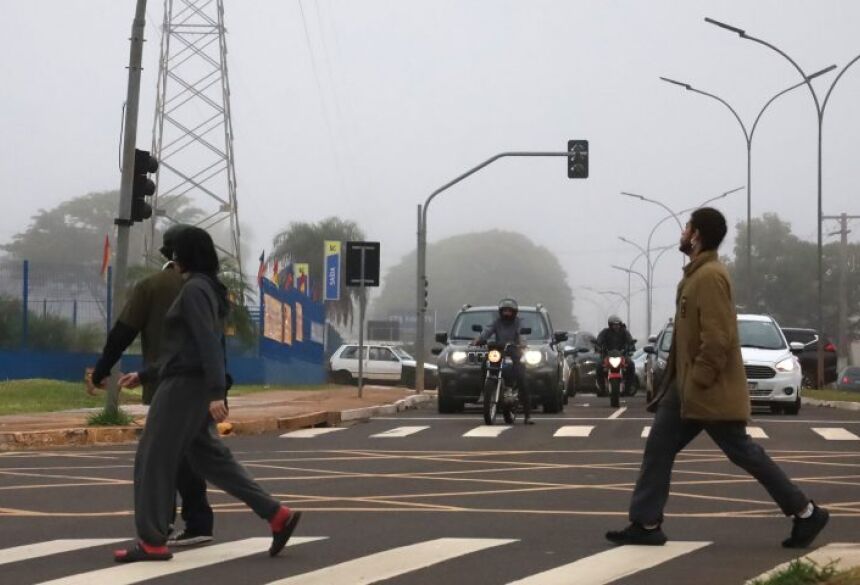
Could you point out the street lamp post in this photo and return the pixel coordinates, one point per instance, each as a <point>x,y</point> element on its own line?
<point>647,281</point>
<point>748,138</point>
<point>421,252</point>
<point>820,107</point>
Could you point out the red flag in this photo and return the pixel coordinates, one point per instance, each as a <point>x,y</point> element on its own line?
<point>261,271</point>
<point>105,257</point>
<point>275,273</point>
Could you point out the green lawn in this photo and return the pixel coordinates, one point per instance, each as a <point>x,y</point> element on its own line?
<point>802,572</point>
<point>832,395</point>
<point>24,396</point>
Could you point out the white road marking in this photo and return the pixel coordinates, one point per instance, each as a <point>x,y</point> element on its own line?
<point>574,431</point>
<point>843,555</point>
<point>311,433</point>
<point>756,433</point>
<point>394,562</point>
<point>50,547</point>
<point>184,561</point>
<point>618,412</point>
<point>487,432</point>
<point>645,432</point>
<point>399,432</point>
<point>836,434</point>
<point>611,565</point>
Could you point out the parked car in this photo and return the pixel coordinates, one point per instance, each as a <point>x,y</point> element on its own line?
<point>460,364</point>
<point>382,363</point>
<point>809,356</point>
<point>582,363</point>
<point>658,354</point>
<point>849,379</point>
<point>639,358</point>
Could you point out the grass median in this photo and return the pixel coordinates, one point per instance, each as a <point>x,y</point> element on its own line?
<point>803,572</point>
<point>30,396</point>
<point>832,395</point>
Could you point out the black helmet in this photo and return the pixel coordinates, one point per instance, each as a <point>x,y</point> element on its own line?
<point>614,320</point>
<point>168,240</point>
<point>509,304</point>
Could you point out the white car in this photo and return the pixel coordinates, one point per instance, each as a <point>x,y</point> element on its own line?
<point>382,363</point>
<point>773,371</point>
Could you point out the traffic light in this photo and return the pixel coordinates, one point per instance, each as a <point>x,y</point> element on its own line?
<point>142,185</point>
<point>426,292</point>
<point>577,162</point>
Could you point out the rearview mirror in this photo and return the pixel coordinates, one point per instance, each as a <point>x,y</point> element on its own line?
<point>649,349</point>
<point>560,336</point>
<point>796,346</point>
<point>436,350</point>
<point>441,337</point>
<point>477,328</point>
<point>652,339</point>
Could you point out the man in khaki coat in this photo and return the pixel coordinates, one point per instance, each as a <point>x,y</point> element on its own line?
<point>705,388</point>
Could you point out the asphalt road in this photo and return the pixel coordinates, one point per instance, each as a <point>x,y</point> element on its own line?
<point>414,498</point>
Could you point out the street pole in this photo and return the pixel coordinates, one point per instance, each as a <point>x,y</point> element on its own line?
<point>124,222</point>
<point>421,252</point>
<point>361,308</point>
<point>843,232</point>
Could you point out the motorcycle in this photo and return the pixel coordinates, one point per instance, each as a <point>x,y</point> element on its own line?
<point>500,388</point>
<point>615,365</point>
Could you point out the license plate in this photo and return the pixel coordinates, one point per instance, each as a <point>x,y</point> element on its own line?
<point>751,386</point>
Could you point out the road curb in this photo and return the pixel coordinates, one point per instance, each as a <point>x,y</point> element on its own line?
<point>839,404</point>
<point>80,436</point>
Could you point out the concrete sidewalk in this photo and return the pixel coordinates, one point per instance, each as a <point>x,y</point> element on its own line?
<point>256,413</point>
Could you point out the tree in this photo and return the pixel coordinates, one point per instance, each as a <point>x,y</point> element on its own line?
<point>303,242</point>
<point>480,268</point>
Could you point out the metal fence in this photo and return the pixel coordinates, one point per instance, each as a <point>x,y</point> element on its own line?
<point>53,306</point>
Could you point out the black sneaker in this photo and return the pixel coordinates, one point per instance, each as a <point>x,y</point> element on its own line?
<point>637,534</point>
<point>805,530</point>
<point>186,538</point>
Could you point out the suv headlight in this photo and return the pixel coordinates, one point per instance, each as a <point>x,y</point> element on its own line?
<point>786,365</point>
<point>533,357</point>
<point>458,357</point>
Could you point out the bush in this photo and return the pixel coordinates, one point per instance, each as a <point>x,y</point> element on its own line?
<point>48,332</point>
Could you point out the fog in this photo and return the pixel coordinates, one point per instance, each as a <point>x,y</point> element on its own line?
<point>361,108</point>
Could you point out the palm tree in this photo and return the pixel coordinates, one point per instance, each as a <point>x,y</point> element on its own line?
<point>303,242</point>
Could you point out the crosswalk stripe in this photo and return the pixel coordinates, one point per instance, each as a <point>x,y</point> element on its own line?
<point>836,434</point>
<point>645,432</point>
<point>184,561</point>
<point>611,565</point>
<point>51,547</point>
<point>618,412</point>
<point>310,433</point>
<point>756,433</point>
<point>574,431</point>
<point>399,432</point>
<point>843,555</point>
<point>391,563</point>
<point>484,431</point>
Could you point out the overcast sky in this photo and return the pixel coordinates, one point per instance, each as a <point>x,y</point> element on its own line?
<point>412,93</point>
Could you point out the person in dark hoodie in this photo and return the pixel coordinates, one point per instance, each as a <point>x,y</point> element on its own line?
<point>144,314</point>
<point>192,385</point>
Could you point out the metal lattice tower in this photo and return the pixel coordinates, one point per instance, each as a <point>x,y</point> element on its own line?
<point>193,131</point>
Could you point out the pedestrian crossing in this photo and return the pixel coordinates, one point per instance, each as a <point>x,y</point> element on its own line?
<point>602,567</point>
<point>562,431</point>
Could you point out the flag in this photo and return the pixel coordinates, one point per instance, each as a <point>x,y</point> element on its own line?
<point>287,281</point>
<point>261,271</point>
<point>275,273</point>
<point>105,257</point>
<point>302,283</point>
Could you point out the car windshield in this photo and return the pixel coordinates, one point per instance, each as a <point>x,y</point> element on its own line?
<point>401,354</point>
<point>462,329</point>
<point>760,335</point>
<point>666,340</point>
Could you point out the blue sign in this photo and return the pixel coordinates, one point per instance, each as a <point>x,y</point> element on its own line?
<point>332,271</point>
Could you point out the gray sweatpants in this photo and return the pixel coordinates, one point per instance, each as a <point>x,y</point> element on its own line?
<point>670,434</point>
<point>178,425</point>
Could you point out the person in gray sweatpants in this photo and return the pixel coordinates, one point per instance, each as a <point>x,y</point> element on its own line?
<point>192,386</point>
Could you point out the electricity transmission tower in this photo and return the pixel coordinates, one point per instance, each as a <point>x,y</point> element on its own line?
<point>193,131</point>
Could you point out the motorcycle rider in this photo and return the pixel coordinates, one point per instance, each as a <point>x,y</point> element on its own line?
<point>506,329</point>
<point>615,337</point>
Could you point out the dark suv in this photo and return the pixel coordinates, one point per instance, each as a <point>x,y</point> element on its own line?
<point>809,356</point>
<point>582,359</point>
<point>460,365</point>
<point>658,355</point>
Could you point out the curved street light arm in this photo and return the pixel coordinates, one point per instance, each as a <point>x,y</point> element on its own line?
<point>806,78</point>
<point>835,81</point>
<point>747,134</point>
<point>771,100</point>
<point>655,202</point>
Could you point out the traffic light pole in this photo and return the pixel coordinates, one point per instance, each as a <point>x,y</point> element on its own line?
<point>421,259</point>
<point>123,221</point>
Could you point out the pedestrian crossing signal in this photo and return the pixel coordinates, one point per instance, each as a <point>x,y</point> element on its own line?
<point>577,162</point>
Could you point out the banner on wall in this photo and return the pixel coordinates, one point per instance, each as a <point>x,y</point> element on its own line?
<point>332,271</point>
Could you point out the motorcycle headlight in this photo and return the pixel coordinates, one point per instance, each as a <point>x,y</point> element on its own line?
<point>786,365</point>
<point>458,357</point>
<point>615,362</point>
<point>494,356</point>
<point>533,357</point>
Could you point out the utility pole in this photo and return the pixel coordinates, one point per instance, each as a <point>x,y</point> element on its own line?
<point>124,220</point>
<point>843,232</point>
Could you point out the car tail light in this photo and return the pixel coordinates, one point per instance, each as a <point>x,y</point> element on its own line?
<point>845,380</point>
<point>830,347</point>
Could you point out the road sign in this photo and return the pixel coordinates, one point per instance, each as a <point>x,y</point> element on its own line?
<point>332,271</point>
<point>577,162</point>
<point>354,253</point>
